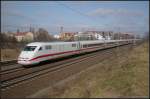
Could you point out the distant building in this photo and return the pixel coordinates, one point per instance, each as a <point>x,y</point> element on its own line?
<point>87,35</point>
<point>123,36</point>
<point>94,35</point>
<point>56,36</point>
<point>83,36</point>
<point>10,34</point>
<point>67,36</point>
<point>24,36</point>
<point>105,34</point>
<point>99,37</point>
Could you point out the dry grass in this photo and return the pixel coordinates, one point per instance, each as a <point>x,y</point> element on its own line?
<point>9,54</point>
<point>122,77</point>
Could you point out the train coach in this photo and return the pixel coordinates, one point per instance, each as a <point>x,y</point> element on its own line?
<point>36,52</point>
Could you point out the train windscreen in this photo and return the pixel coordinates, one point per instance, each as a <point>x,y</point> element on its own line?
<point>29,48</point>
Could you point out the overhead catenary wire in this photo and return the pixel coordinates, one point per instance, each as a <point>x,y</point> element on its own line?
<point>68,7</point>
<point>78,12</point>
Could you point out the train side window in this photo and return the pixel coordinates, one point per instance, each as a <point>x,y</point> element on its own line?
<point>48,47</point>
<point>84,46</point>
<point>89,45</point>
<point>40,48</point>
<point>73,45</point>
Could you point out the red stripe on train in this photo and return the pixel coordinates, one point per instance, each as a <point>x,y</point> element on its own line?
<point>46,55</point>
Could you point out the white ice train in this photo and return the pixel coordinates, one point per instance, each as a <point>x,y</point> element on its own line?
<point>37,52</point>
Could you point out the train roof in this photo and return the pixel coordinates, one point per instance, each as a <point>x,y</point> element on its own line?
<point>47,43</point>
<point>55,43</point>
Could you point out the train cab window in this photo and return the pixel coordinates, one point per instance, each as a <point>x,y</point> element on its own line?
<point>29,48</point>
<point>48,47</point>
<point>40,48</point>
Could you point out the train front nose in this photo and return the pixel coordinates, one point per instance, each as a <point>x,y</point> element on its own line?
<point>24,58</point>
<point>23,61</point>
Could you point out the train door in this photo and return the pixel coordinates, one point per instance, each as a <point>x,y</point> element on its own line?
<point>61,48</point>
<point>79,47</point>
<point>55,50</point>
<point>40,51</point>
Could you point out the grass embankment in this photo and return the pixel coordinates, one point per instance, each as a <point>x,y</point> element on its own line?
<point>125,76</point>
<point>9,54</point>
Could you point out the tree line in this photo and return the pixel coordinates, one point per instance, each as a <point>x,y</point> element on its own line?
<point>41,35</point>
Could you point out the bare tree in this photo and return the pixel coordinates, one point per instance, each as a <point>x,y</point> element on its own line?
<point>43,35</point>
<point>18,30</point>
<point>146,37</point>
<point>7,41</point>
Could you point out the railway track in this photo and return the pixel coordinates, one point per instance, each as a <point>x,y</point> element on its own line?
<point>18,75</point>
<point>10,70</point>
<point>19,67</point>
<point>9,62</point>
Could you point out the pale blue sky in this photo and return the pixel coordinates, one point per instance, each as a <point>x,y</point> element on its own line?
<point>125,16</point>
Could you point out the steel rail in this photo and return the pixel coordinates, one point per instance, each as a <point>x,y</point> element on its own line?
<point>15,80</point>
